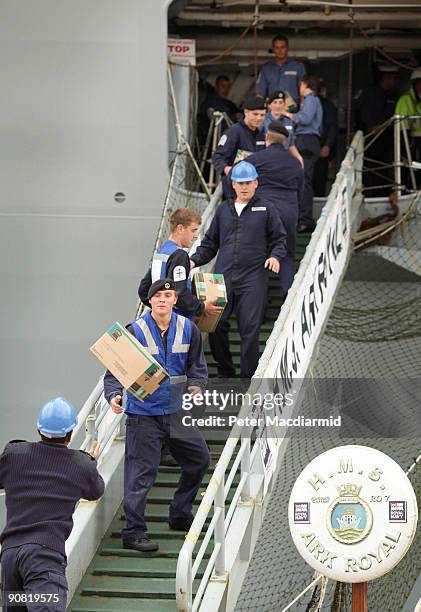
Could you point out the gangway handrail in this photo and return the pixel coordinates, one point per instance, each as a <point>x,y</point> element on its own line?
<point>216,492</point>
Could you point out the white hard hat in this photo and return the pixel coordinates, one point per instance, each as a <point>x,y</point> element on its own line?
<point>416,74</point>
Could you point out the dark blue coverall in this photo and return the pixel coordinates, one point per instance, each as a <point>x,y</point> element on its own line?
<point>242,245</point>
<point>237,137</point>
<point>280,183</point>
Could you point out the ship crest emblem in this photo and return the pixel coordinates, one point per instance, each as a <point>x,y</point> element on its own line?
<point>349,517</point>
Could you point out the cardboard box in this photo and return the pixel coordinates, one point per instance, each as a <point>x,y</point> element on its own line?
<point>133,366</point>
<point>210,288</point>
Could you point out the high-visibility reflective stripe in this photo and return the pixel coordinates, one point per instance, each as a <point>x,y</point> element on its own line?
<point>178,346</point>
<point>157,266</point>
<point>175,380</point>
<point>156,270</point>
<point>150,342</point>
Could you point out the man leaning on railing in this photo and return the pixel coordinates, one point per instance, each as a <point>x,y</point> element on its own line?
<point>43,482</point>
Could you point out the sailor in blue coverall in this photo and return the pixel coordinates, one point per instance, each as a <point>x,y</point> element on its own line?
<point>248,238</point>
<point>280,183</point>
<point>240,140</point>
<point>282,72</point>
<point>175,342</point>
<point>307,137</point>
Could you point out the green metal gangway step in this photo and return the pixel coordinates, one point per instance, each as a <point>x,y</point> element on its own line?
<point>123,580</point>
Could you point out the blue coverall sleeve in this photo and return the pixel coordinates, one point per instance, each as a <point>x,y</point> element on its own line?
<point>210,244</point>
<point>301,70</point>
<point>145,283</point>
<point>3,469</point>
<point>252,160</point>
<point>308,111</point>
<point>94,487</point>
<point>262,83</point>
<point>225,152</point>
<point>197,370</point>
<point>187,302</point>
<point>300,183</point>
<point>277,236</point>
<point>111,386</point>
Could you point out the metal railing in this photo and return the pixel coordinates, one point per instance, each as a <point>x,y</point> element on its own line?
<point>99,422</point>
<point>215,495</point>
<point>248,459</point>
<point>401,159</point>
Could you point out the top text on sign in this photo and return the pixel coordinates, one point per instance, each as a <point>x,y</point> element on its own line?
<point>182,50</point>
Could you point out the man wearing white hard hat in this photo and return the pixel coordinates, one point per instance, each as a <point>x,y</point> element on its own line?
<point>409,105</point>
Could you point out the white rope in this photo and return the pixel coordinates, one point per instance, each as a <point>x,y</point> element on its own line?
<point>315,581</point>
<point>323,591</point>
<point>414,465</point>
<point>180,135</point>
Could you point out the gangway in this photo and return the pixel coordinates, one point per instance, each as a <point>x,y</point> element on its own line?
<point>117,577</point>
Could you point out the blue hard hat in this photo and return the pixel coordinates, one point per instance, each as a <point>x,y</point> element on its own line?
<point>56,418</point>
<point>243,171</point>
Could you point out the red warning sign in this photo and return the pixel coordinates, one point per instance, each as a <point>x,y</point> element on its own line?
<point>182,50</point>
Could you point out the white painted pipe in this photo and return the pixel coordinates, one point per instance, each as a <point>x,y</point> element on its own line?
<point>413,17</point>
<point>325,4</point>
<point>334,3</point>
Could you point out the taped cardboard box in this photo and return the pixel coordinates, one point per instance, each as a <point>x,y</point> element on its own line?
<point>133,366</point>
<point>210,288</point>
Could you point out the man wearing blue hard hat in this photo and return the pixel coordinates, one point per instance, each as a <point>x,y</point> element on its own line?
<point>43,482</point>
<point>281,183</point>
<point>248,239</point>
